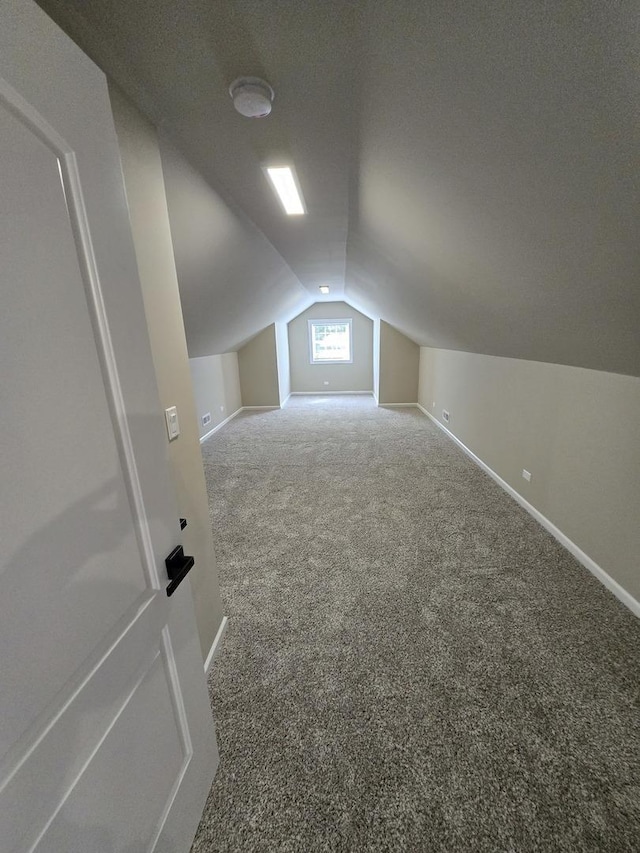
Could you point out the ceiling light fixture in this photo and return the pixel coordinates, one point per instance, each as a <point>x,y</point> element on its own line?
<point>251,96</point>
<point>324,289</point>
<point>284,182</point>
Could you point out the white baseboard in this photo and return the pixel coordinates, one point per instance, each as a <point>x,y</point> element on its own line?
<point>398,405</point>
<point>215,646</point>
<point>220,425</point>
<point>329,393</point>
<point>285,401</point>
<point>612,585</point>
<point>237,412</point>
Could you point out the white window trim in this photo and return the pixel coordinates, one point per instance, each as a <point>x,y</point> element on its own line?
<point>347,321</point>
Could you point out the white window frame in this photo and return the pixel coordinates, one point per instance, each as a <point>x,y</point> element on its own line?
<point>347,321</point>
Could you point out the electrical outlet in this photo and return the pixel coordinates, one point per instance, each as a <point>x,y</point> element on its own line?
<point>222,409</point>
<point>526,474</point>
<point>206,419</point>
<point>445,416</point>
<point>325,382</point>
<point>433,405</point>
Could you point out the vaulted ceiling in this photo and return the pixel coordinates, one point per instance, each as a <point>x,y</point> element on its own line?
<point>471,170</point>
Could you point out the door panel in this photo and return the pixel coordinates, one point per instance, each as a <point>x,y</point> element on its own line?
<point>106,737</point>
<point>77,520</point>
<point>44,766</point>
<point>115,778</point>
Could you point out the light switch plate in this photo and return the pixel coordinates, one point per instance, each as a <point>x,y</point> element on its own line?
<point>173,427</point>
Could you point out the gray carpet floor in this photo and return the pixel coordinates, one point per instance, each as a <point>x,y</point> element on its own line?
<point>412,662</point>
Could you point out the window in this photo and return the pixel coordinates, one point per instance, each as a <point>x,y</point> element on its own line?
<point>330,341</point>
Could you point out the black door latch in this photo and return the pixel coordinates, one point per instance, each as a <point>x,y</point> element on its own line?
<point>178,567</point>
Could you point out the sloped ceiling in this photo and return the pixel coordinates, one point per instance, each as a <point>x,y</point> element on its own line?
<point>231,278</point>
<point>470,169</point>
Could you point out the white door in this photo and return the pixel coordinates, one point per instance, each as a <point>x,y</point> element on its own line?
<point>106,737</point>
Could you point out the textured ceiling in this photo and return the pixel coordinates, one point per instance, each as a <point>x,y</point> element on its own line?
<point>470,169</point>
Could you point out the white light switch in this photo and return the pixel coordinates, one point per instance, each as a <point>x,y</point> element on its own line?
<point>173,427</point>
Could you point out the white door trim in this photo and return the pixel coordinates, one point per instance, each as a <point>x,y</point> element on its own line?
<point>216,645</point>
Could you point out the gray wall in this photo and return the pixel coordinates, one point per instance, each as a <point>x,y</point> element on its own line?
<point>399,363</point>
<point>144,184</point>
<point>258,366</point>
<point>575,430</point>
<point>216,388</point>
<point>305,376</point>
